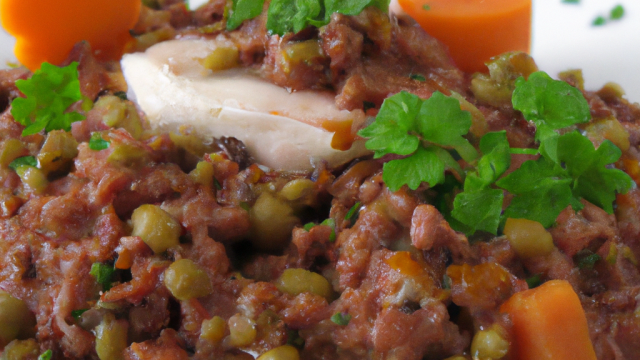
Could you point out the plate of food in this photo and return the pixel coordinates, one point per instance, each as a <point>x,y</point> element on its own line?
<point>317,180</point>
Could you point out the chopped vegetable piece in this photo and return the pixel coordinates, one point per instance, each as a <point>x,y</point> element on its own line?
<point>528,238</point>
<point>307,227</point>
<point>77,313</point>
<point>213,329</point>
<point>418,77</point>
<point>332,224</point>
<point>121,94</point>
<point>49,92</point>
<point>111,337</point>
<point>352,214</point>
<point>23,161</point>
<point>155,227</point>
<point>46,355</point>
<point>284,352</point>
<point>490,344</point>
<point>32,178</point>
<point>52,28</point>
<point>474,31</point>
<point>16,320</point>
<point>588,261</point>
<point>298,281</point>
<point>534,281</point>
<point>103,274</point>
<point>97,142</point>
<point>341,319</point>
<point>548,323</point>
<point>187,280</point>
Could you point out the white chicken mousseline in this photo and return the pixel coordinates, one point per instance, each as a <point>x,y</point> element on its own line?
<point>283,130</point>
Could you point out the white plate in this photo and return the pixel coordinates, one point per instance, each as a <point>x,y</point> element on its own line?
<point>563,38</point>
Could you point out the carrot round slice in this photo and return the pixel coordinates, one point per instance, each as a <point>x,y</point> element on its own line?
<point>474,30</point>
<point>549,323</point>
<point>48,30</point>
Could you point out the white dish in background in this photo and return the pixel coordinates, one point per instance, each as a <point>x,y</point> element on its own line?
<point>563,38</point>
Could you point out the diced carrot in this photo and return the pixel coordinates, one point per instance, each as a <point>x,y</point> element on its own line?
<point>549,323</point>
<point>474,30</point>
<point>48,30</point>
<point>402,262</point>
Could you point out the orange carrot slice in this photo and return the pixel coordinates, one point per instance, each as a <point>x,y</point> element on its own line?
<point>48,30</point>
<point>474,30</point>
<point>549,323</point>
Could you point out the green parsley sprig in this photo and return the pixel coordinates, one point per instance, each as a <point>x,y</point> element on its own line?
<point>285,16</point>
<point>49,93</point>
<point>425,133</point>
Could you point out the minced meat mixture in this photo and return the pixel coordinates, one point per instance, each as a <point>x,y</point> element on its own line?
<point>169,246</point>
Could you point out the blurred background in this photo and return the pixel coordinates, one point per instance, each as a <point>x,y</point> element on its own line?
<point>564,37</point>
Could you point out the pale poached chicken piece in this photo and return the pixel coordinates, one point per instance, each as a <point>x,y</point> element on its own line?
<point>281,129</point>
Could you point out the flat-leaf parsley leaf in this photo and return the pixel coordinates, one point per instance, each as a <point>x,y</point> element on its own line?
<point>423,130</point>
<point>49,93</point>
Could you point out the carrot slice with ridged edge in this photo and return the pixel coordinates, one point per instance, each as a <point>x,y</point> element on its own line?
<point>474,30</point>
<point>549,323</point>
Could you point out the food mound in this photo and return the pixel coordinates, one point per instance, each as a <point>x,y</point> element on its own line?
<point>496,216</point>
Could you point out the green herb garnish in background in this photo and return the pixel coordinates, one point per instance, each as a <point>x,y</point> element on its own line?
<point>103,274</point>
<point>616,13</point>
<point>49,93</point>
<point>599,21</point>
<point>97,142</point>
<point>285,16</point>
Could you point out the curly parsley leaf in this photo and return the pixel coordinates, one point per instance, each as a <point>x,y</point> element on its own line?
<point>422,129</point>
<point>49,93</point>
